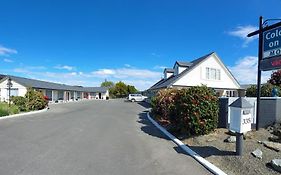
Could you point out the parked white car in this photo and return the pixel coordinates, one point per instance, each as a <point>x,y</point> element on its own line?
<point>136,97</point>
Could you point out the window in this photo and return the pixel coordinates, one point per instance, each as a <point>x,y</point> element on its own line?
<point>213,74</point>
<point>13,92</point>
<point>230,93</point>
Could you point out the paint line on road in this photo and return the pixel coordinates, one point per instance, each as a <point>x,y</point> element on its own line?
<point>211,167</point>
<point>24,114</point>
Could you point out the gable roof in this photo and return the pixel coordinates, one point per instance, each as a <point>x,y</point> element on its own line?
<point>27,82</point>
<point>170,70</point>
<point>182,63</point>
<point>172,79</point>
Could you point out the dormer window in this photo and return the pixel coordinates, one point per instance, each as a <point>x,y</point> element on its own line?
<point>168,72</point>
<point>180,66</point>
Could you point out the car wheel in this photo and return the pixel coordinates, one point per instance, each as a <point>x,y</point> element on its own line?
<point>133,100</point>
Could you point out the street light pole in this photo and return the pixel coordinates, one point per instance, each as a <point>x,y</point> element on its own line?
<point>9,84</point>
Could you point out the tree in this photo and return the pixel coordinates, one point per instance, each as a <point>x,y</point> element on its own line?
<point>275,78</point>
<point>266,90</point>
<point>108,84</point>
<point>120,90</point>
<point>251,91</point>
<point>131,89</point>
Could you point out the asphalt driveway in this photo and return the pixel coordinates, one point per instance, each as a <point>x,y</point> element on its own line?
<point>90,137</point>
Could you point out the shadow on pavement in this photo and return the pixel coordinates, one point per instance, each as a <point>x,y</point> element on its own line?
<point>206,151</point>
<point>144,104</point>
<point>149,128</point>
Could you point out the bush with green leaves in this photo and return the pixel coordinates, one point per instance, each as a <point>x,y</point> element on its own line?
<point>21,102</point>
<point>3,112</point>
<point>266,90</point>
<point>192,111</point>
<point>163,104</point>
<point>35,100</point>
<point>5,109</point>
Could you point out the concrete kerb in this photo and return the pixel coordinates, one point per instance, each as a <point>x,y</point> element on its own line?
<point>196,156</point>
<point>24,114</point>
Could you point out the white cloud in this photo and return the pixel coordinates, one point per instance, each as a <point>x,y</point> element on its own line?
<point>245,71</point>
<point>140,78</point>
<point>29,69</point>
<point>103,72</point>
<point>126,73</point>
<point>7,51</point>
<point>65,67</point>
<point>127,65</point>
<point>242,32</point>
<point>159,67</point>
<point>8,60</point>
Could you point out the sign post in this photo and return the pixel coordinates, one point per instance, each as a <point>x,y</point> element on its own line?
<point>269,55</point>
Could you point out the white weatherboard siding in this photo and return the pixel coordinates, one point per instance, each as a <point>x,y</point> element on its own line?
<point>181,69</point>
<point>4,95</point>
<point>178,69</point>
<point>197,76</point>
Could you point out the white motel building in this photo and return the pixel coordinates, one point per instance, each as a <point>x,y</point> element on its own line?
<point>207,70</point>
<point>54,91</point>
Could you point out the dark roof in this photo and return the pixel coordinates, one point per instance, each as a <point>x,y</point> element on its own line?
<point>246,86</point>
<point>169,81</point>
<point>241,103</point>
<point>171,70</point>
<point>156,84</point>
<point>95,89</point>
<point>183,63</point>
<point>32,83</point>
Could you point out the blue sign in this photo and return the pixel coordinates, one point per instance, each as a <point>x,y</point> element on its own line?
<point>272,43</point>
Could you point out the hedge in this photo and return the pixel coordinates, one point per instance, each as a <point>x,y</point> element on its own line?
<point>192,111</point>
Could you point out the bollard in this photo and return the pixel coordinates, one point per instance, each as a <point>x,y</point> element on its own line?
<point>239,144</point>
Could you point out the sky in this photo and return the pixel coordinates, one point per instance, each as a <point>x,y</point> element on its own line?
<point>89,41</point>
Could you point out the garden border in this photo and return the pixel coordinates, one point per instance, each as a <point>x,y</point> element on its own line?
<point>23,114</point>
<point>211,167</point>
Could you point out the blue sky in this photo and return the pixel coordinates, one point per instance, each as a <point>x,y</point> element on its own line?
<point>85,42</point>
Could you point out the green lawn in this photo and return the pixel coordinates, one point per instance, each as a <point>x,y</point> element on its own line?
<point>6,110</point>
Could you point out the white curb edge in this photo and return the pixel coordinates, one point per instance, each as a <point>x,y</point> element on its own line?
<point>23,114</point>
<point>196,156</point>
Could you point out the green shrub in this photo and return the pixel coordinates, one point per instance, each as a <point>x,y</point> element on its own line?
<point>266,90</point>
<point>14,110</point>
<point>35,100</point>
<point>21,102</point>
<point>192,111</point>
<point>163,105</point>
<point>6,110</point>
<point>3,112</point>
<point>251,91</point>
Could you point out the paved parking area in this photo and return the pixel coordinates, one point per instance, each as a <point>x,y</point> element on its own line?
<point>90,137</point>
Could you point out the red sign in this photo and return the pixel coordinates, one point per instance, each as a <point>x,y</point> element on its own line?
<point>271,64</point>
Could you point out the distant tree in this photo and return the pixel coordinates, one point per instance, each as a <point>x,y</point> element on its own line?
<point>266,90</point>
<point>275,78</point>
<point>251,91</point>
<point>108,84</point>
<point>131,89</point>
<point>120,90</point>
